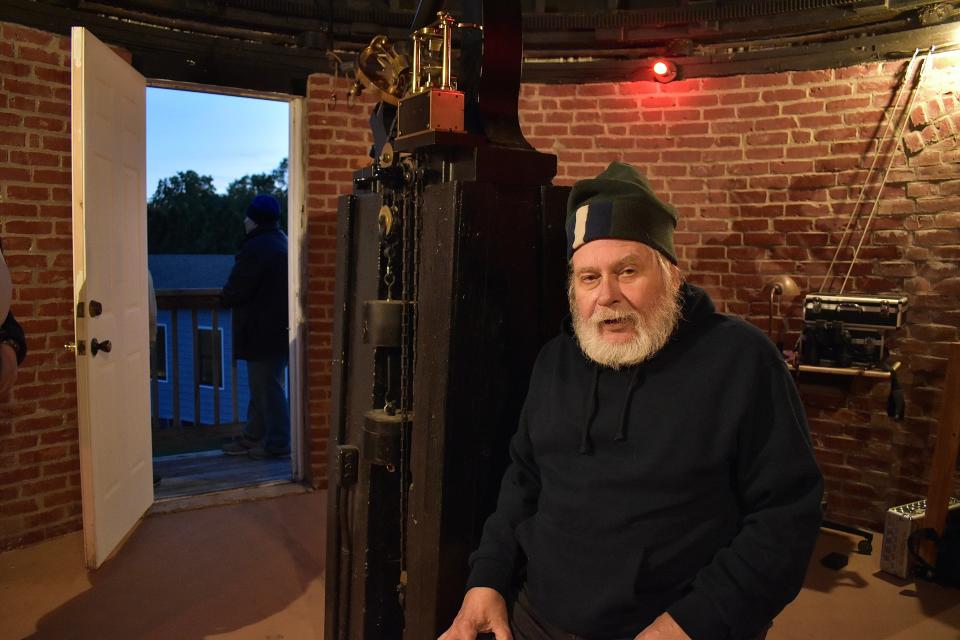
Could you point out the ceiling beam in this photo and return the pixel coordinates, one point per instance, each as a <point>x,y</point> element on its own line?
<point>169,54</point>
<point>808,57</point>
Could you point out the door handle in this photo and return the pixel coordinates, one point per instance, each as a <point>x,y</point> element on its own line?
<point>99,345</point>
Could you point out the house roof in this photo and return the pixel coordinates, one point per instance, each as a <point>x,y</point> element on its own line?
<point>189,270</point>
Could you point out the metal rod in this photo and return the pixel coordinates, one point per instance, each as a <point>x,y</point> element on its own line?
<point>446,51</point>
<point>415,80</point>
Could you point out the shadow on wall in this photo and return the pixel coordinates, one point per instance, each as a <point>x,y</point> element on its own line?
<point>197,574</point>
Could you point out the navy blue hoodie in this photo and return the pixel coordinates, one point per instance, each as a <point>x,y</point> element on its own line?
<point>685,484</point>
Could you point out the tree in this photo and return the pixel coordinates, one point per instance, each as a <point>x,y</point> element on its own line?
<point>187,215</point>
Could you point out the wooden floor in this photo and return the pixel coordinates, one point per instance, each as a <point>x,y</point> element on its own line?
<point>189,474</point>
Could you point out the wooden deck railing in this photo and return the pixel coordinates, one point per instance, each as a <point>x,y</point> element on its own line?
<point>194,300</point>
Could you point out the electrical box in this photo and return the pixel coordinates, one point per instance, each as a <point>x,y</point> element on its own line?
<point>430,110</point>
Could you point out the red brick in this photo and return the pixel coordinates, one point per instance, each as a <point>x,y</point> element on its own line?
<point>16,33</point>
<point>25,88</point>
<point>35,54</point>
<point>18,475</point>
<point>18,507</point>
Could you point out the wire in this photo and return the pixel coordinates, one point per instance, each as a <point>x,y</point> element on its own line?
<point>896,145</point>
<point>880,145</point>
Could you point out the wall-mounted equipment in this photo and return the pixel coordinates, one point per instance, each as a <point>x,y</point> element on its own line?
<point>849,330</point>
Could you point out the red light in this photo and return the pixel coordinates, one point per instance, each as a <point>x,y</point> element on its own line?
<point>664,70</point>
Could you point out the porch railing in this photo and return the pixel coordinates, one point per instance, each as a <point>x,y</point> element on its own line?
<point>195,301</point>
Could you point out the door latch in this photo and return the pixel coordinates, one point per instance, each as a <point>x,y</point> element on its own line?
<point>95,308</point>
<point>78,347</point>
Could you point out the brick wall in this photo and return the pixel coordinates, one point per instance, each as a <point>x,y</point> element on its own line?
<point>765,171</point>
<point>338,142</point>
<point>39,451</point>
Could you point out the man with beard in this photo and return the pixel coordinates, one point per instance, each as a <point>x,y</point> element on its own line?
<point>662,484</point>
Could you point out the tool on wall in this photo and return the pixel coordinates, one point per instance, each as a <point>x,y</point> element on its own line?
<point>849,330</point>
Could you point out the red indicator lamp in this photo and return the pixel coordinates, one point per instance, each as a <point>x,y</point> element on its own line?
<point>663,70</point>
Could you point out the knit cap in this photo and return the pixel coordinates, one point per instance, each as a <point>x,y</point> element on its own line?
<point>264,209</point>
<point>620,204</point>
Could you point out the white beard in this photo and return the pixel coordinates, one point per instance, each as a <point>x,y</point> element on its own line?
<point>652,329</point>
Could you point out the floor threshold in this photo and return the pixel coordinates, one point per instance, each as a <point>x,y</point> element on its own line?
<point>262,491</point>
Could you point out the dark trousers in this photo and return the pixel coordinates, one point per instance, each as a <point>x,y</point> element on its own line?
<point>526,624</point>
<point>268,414</point>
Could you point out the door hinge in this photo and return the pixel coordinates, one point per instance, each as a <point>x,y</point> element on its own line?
<point>348,465</point>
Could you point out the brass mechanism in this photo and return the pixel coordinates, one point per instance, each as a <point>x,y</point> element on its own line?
<point>380,68</point>
<point>433,53</point>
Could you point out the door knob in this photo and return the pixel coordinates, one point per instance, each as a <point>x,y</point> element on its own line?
<point>99,345</point>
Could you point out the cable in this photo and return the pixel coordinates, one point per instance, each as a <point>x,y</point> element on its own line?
<point>883,182</point>
<point>856,207</point>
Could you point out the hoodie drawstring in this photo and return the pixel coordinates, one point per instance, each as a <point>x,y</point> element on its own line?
<point>635,381</point>
<point>585,445</point>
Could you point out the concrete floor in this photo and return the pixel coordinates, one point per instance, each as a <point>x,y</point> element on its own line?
<point>255,570</point>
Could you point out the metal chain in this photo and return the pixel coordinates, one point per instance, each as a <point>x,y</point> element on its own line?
<point>388,277</point>
<point>407,208</point>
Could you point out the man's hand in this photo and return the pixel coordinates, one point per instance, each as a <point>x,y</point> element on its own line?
<point>8,369</point>
<point>663,628</point>
<point>483,610</point>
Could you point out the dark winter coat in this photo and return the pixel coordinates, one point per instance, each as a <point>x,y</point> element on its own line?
<point>11,330</point>
<point>684,484</point>
<point>257,292</point>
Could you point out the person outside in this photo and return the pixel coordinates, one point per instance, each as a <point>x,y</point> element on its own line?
<point>662,483</point>
<point>13,343</point>
<point>256,291</point>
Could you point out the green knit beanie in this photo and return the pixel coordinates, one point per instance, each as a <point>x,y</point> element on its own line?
<point>619,204</point>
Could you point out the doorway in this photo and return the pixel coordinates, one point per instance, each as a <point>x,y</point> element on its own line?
<point>209,152</point>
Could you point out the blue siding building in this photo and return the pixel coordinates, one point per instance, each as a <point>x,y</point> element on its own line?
<point>177,279</point>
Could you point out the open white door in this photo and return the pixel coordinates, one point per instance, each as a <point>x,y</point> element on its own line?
<point>110,293</point>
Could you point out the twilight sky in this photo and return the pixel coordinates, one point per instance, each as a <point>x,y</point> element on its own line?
<point>222,136</point>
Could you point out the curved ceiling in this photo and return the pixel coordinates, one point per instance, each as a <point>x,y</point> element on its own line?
<point>274,44</point>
